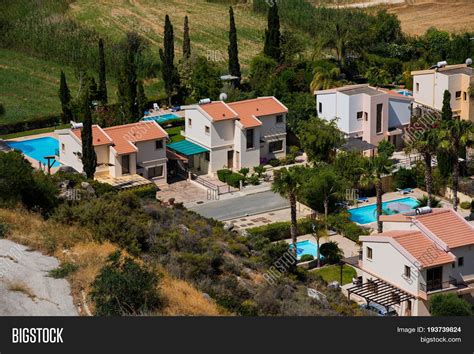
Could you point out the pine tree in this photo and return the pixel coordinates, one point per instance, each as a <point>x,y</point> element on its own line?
<point>186,40</point>
<point>89,157</point>
<point>168,70</point>
<point>65,98</point>
<point>102,91</point>
<point>142,100</point>
<point>233,49</point>
<point>272,34</point>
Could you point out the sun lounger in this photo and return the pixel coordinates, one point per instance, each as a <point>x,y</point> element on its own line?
<point>362,199</point>
<point>405,191</point>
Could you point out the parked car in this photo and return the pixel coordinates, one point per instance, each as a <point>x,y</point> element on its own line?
<point>379,309</point>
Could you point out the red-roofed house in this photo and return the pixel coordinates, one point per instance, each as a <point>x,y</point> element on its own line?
<point>137,148</point>
<point>235,135</point>
<point>420,256</point>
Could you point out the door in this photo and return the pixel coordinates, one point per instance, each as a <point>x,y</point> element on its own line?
<point>230,159</point>
<point>237,160</point>
<point>434,278</point>
<point>125,164</point>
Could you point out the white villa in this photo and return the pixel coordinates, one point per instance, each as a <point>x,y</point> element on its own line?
<point>124,150</point>
<point>233,135</point>
<point>429,87</point>
<point>366,113</point>
<point>420,255</point>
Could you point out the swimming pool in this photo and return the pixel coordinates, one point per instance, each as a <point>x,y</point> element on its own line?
<point>306,247</point>
<point>368,213</point>
<point>162,118</point>
<point>37,149</point>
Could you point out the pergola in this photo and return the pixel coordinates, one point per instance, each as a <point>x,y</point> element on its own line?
<point>380,292</point>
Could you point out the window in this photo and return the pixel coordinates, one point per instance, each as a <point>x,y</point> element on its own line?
<point>366,116</point>
<point>125,164</point>
<point>378,128</point>
<point>249,136</point>
<point>159,144</point>
<point>320,107</point>
<point>369,253</point>
<point>63,147</point>
<point>458,95</point>
<point>275,146</point>
<point>207,129</point>
<point>465,96</point>
<point>156,171</point>
<point>190,122</point>
<point>279,118</point>
<point>359,115</point>
<point>417,87</point>
<point>407,272</point>
<point>207,156</point>
<point>460,261</point>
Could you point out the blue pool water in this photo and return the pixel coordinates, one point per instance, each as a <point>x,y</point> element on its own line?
<point>162,118</point>
<point>37,149</point>
<point>368,213</point>
<point>306,247</point>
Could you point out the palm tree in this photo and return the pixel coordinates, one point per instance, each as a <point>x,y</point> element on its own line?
<point>427,145</point>
<point>319,233</point>
<point>288,183</point>
<point>325,77</point>
<point>454,135</point>
<point>375,168</point>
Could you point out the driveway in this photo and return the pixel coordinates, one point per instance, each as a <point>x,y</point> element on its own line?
<point>246,205</point>
<point>26,289</point>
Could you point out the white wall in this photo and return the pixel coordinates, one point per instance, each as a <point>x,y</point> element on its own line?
<point>399,113</point>
<point>68,156</point>
<point>248,157</point>
<point>196,131</point>
<point>147,151</point>
<point>222,133</point>
<point>427,88</point>
<point>468,269</point>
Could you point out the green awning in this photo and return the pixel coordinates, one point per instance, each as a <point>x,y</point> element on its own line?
<point>187,148</point>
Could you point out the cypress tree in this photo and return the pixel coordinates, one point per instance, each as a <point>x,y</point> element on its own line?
<point>127,82</point>
<point>142,100</point>
<point>168,70</point>
<point>186,40</point>
<point>89,157</point>
<point>446,111</point>
<point>272,34</point>
<point>102,91</point>
<point>233,49</point>
<point>65,98</point>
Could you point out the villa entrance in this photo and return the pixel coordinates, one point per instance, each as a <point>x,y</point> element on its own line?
<point>230,159</point>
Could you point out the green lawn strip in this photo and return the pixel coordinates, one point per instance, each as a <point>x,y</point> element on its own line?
<point>34,132</point>
<point>333,273</point>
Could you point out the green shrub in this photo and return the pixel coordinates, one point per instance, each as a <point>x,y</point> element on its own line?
<point>63,270</point>
<point>253,180</point>
<point>465,205</point>
<point>124,287</point>
<point>259,170</point>
<point>331,252</point>
<point>145,192</point>
<point>423,201</point>
<point>4,229</point>
<point>274,162</point>
<point>234,179</point>
<point>222,174</point>
<point>280,230</point>
<point>405,178</point>
<point>306,258</point>
<point>244,171</point>
<point>449,305</point>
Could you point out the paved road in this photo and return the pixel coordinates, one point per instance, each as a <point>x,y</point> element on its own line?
<point>241,206</point>
<point>26,289</point>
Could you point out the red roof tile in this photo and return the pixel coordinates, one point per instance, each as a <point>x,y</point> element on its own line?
<point>449,227</point>
<point>124,136</point>
<point>250,110</point>
<point>420,247</point>
<point>99,137</point>
<point>218,111</point>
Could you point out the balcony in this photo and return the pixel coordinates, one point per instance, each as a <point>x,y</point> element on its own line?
<point>439,286</point>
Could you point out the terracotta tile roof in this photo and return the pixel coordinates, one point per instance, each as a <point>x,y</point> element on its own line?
<point>218,111</point>
<point>420,247</point>
<point>99,137</point>
<point>250,110</point>
<point>449,227</point>
<point>124,136</point>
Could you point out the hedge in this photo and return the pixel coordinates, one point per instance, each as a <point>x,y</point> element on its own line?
<point>280,230</point>
<point>222,175</point>
<point>38,123</point>
<point>234,179</point>
<point>342,224</point>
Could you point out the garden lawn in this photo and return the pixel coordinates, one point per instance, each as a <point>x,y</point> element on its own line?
<point>175,134</point>
<point>333,273</point>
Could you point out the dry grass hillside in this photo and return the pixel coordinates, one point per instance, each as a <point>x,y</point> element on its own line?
<point>75,245</point>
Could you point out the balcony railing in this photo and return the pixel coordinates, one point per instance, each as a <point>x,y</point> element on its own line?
<point>438,285</point>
